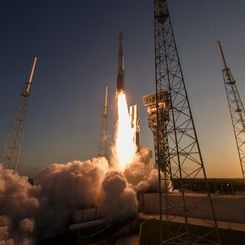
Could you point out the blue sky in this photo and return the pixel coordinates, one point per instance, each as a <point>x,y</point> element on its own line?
<point>76,45</point>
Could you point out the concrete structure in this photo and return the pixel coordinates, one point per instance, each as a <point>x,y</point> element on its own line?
<point>227,208</point>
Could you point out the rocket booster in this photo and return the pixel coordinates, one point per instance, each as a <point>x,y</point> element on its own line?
<point>120,75</point>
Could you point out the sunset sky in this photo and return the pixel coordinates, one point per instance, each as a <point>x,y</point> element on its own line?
<point>76,45</point>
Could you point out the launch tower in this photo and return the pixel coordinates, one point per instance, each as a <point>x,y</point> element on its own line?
<point>10,152</point>
<point>177,149</point>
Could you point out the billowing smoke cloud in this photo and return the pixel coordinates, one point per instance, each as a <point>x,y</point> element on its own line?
<point>140,173</point>
<point>45,209</point>
<point>118,200</point>
<point>65,188</point>
<point>18,205</point>
<point>144,154</point>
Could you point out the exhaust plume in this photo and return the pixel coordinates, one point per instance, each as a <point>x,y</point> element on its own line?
<point>125,146</point>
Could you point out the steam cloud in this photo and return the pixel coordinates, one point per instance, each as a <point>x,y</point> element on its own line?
<point>45,209</point>
<point>65,188</point>
<point>119,200</point>
<point>142,175</point>
<point>18,205</point>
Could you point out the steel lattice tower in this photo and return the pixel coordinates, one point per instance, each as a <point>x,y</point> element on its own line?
<point>237,111</point>
<point>10,152</point>
<point>104,135</point>
<point>177,149</point>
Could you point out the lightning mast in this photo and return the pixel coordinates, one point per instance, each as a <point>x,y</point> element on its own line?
<point>10,152</point>
<point>237,111</point>
<point>104,136</point>
<point>177,148</point>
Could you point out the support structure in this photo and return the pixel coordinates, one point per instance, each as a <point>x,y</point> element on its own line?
<point>158,118</point>
<point>237,111</point>
<point>104,135</point>
<point>177,150</point>
<point>10,152</point>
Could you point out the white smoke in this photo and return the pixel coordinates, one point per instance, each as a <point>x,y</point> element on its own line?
<point>118,199</point>
<point>65,188</point>
<point>144,154</point>
<point>18,205</point>
<point>140,173</point>
<point>45,209</point>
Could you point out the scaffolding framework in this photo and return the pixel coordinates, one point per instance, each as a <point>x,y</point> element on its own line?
<point>236,109</point>
<point>177,149</point>
<point>10,152</point>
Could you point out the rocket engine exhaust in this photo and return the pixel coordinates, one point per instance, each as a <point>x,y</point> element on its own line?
<point>125,145</point>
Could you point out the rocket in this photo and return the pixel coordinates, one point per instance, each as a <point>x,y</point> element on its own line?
<point>120,74</point>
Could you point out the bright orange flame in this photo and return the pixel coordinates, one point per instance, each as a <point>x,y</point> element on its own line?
<point>125,146</point>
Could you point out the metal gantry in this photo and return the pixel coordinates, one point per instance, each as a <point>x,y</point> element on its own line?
<point>177,150</point>
<point>10,152</point>
<point>237,111</point>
